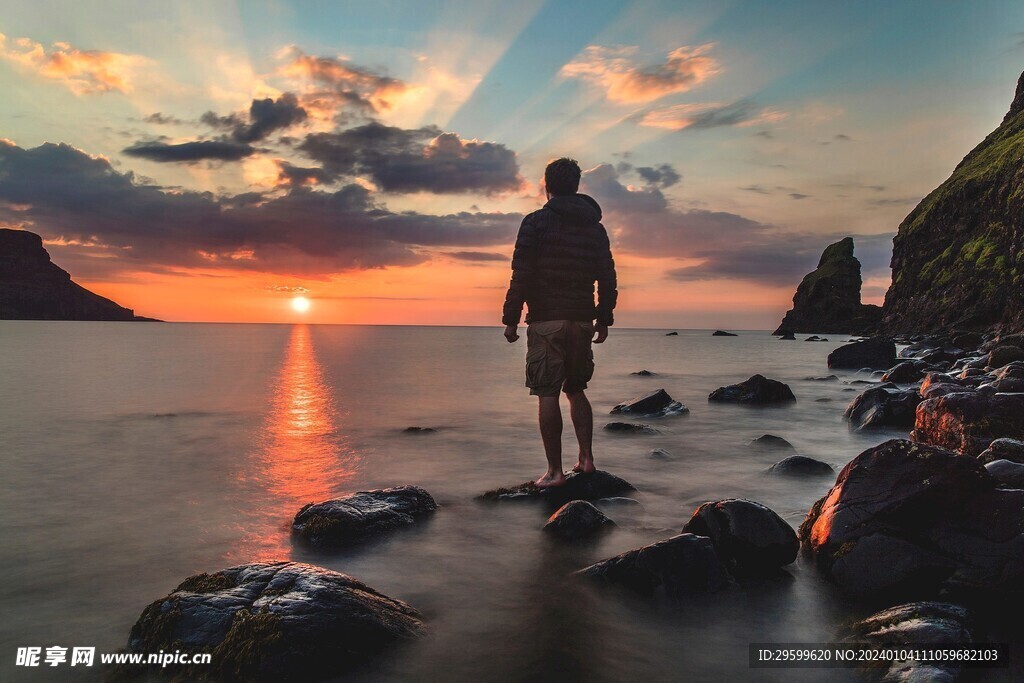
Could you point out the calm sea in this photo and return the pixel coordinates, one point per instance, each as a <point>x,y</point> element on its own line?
<point>134,455</point>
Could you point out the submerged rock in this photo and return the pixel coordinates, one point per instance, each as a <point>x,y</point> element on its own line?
<point>969,421</point>
<point>630,428</point>
<point>772,442</point>
<point>273,622</point>
<point>801,466</point>
<point>361,516</point>
<point>419,430</point>
<point>722,333</point>
<point>748,537</point>
<point>671,334</point>
<point>644,373</point>
<point>675,567</point>
<point>907,517</point>
<point>916,624</point>
<point>881,407</point>
<point>876,353</point>
<point>660,454</point>
<point>654,404</point>
<point>827,378</point>
<point>756,390</point>
<point>578,486</point>
<point>577,519</point>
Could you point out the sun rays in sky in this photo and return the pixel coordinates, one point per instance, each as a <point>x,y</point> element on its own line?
<point>228,161</point>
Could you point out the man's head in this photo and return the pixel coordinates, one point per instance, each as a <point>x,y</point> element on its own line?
<point>562,177</point>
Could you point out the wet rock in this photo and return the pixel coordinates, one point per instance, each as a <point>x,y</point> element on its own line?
<point>419,430</point>
<point>1001,355</point>
<point>904,373</point>
<point>273,622</point>
<point>654,404</point>
<point>756,390</point>
<point>772,442</point>
<point>787,336</point>
<point>823,399</point>
<point>937,384</point>
<point>968,340</point>
<point>660,454</point>
<point>801,466</point>
<point>749,538</point>
<point>630,428</point>
<point>1009,385</point>
<point>675,567</point>
<point>912,625</point>
<point>827,378</point>
<point>908,517</point>
<point>816,338</point>
<point>361,516</point>
<point>881,407</point>
<point>578,486</point>
<point>1003,449</point>
<point>722,333</point>
<point>969,422</point>
<point>877,353</point>
<point>577,519</point>
<point>672,334</point>
<point>644,373</point>
<point>1006,473</point>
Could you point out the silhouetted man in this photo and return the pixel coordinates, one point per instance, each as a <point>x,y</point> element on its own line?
<point>561,250</point>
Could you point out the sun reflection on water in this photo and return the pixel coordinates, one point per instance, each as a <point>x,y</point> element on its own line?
<point>302,455</point>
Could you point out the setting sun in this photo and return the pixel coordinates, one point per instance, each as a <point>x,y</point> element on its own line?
<point>300,304</point>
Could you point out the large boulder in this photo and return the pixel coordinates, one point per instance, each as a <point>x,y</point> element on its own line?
<point>280,621</point>
<point>906,372</point>
<point>877,353</point>
<point>913,625</point>
<point>905,516</point>
<point>653,404</point>
<point>882,407</point>
<point>1003,449</point>
<point>577,519</point>
<point>578,486</point>
<point>1003,355</point>
<point>756,390</point>
<point>770,442</point>
<point>828,299</point>
<point>361,516</point>
<point>748,537</point>
<point>969,421</point>
<point>675,567</point>
<point>801,466</point>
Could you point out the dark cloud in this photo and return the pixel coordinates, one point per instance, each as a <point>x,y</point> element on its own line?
<point>265,117</point>
<point>893,201</point>
<point>59,191</point>
<point>664,175</point>
<point>755,188</point>
<point>301,175</point>
<point>702,116</point>
<point>798,195</point>
<point>163,119</point>
<point>478,256</point>
<point>603,182</point>
<point>414,160</point>
<point>190,152</point>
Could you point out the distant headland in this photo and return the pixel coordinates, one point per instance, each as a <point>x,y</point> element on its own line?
<point>32,287</point>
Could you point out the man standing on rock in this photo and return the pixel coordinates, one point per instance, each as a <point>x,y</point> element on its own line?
<point>561,250</point>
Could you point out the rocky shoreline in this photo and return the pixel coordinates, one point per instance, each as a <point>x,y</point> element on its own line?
<point>907,520</point>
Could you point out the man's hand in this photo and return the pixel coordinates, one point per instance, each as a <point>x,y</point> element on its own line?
<point>602,333</point>
<point>512,333</point>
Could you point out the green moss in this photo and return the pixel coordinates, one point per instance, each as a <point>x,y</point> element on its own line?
<point>207,583</point>
<point>249,640</point>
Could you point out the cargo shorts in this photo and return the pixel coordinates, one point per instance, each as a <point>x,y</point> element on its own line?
<point>559,356</point>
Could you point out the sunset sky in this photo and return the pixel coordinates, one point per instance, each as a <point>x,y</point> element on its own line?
<point>210,161</point>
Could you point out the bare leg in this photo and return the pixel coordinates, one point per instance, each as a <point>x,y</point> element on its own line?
<point>550,414</point>
<point>583,421</point>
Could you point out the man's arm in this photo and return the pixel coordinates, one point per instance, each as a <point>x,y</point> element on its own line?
<point>607,294</point>
<point>522,274</point>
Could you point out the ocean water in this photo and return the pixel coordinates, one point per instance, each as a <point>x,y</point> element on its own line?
<point>135,454</point>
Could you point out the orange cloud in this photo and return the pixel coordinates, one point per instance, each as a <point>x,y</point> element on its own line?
<point>83,72</point>
<point>614,69</point>
<point>710,115</point>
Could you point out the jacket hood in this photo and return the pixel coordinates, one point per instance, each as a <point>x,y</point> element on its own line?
<point>578,208</point>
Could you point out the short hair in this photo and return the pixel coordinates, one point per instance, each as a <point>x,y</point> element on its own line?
<point>562,177</point>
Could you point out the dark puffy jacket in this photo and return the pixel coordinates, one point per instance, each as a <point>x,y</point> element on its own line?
<point>561,250</point>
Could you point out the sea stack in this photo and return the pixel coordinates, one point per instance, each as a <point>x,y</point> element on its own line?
<point>32,287</point>
<point>958,258</point>
<point>828,299</point>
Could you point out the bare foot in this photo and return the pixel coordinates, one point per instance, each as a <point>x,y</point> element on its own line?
<point>584,466</point>
<point>550,480</point>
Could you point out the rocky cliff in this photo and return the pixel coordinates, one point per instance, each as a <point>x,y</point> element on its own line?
<point>958,259</point>
<point>828,299</point>
<point>32,287</point>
